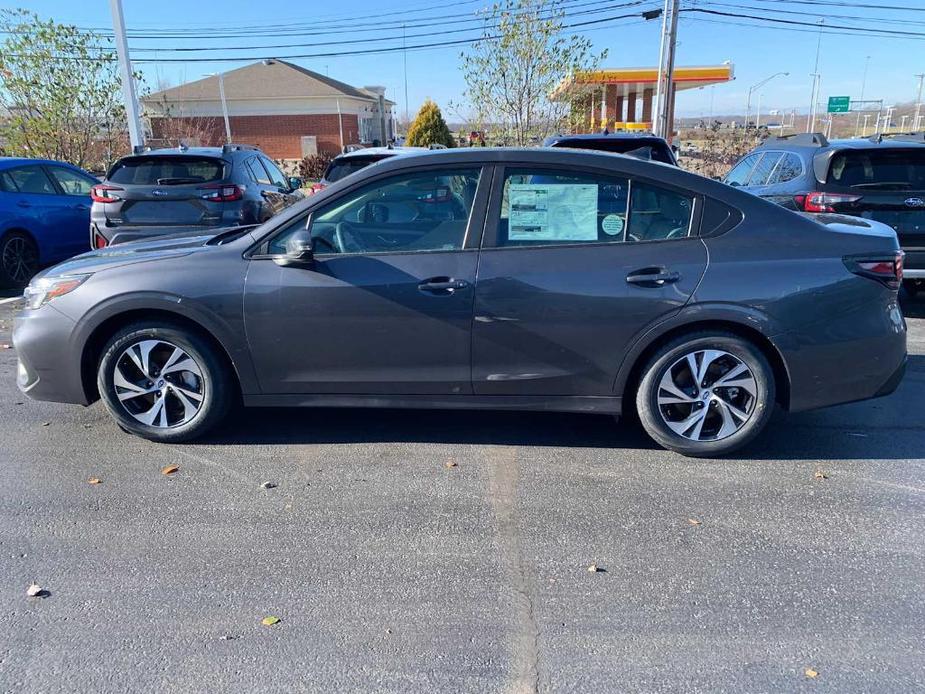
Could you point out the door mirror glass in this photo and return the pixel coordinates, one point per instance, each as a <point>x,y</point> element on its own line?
<point>295,182</point>
<point>299,250</point>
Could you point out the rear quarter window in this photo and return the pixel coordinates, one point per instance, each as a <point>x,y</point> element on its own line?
<point>167,170</point>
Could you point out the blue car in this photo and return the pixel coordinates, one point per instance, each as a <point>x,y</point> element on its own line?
<point>44,216</point>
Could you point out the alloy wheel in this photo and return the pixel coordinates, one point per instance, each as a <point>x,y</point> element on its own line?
<point>158,383</point>
<point>19,259</point>
<point>707,395</point>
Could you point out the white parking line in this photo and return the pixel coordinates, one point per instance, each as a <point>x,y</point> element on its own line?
<point>10,300</point>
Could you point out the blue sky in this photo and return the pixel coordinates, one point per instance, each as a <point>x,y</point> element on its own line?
<point>756,51</point>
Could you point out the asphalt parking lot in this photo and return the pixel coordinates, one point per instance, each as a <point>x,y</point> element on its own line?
<point>448,551</point>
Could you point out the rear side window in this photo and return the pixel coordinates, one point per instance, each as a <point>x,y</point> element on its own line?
<point>71,182</point>
<point>32,179</point>
<point>884,169</point>
<point>167,170</point>
<point>788,168</point>
<point>641,149</point>
<point>762,171</point>
<point>741,171</point>
<point>341,168</point>
<point>276,176</point>
<point>548,208</point>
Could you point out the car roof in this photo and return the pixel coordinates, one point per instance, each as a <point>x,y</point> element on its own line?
<point>175,151</point>
<point>801,143</point>
<point>381,152</point>
<point>15,161</point>
<point>603,136</point>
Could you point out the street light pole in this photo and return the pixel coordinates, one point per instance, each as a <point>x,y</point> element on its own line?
<point>135,133</point>
<point>811,120</point>
<point>758,85</point>
<point>857,121</point>
<point>916,124</point>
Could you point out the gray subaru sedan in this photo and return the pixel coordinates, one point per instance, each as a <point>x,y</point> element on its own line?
<point>509,279</point>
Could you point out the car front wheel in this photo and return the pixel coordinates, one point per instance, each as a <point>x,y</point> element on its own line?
<point>163,383</point>
<point>19,260</point>
<point>706,394</point>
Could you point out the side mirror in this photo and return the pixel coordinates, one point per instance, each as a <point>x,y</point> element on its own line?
<point>295,183</point>
<point>300,251</point>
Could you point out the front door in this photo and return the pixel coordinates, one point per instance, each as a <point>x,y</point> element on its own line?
<point>573,268</point>
<point>386,306</point>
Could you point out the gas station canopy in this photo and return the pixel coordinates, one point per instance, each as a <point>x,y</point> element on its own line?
<point>607,98</point>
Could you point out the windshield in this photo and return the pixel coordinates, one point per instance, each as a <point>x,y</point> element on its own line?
<point>341,168</point>
<point>883,169</point>
<point>167,170</point>
<point>653,150</point>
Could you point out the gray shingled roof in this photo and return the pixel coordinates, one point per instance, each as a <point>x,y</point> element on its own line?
<point>259,80</point>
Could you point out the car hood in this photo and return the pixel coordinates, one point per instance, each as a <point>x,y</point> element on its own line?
<point>159,248</point>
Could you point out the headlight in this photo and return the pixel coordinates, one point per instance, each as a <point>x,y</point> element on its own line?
<point>41,291</point>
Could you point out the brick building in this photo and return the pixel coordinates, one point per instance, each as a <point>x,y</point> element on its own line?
<point>286,110</point>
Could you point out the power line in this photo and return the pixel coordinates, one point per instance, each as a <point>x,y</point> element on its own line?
<point>871,32</point>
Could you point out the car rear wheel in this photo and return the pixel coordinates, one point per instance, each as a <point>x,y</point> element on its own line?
<point>164,383</point>
<point>706,394</point>
<point>19,259</point>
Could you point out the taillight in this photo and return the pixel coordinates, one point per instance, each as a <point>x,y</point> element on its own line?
<point>104,193</point>
<point>887,269</point>
<point>823,202</point>
<point>99,241</point>
<point>221,192</point>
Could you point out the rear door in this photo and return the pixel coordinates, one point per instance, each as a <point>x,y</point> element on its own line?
<point>574,265</point>
<point>886,184</point>
<point>166,190</point>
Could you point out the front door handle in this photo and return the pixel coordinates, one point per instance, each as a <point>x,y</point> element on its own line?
<point>653,277</point>
<point>442,286</point>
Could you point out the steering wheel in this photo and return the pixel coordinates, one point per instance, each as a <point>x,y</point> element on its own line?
<point>677,232</point>
<point>346,241</point>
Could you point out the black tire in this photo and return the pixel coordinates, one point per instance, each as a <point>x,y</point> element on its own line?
<point>759,407</point>
<point>215,385</point>
<point>19,259</point>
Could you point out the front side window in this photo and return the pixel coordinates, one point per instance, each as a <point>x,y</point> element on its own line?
<point>420,211</point>
<point>257,172</point>
<point>32,179</point>
<point>71,182</point>
<point>548,208</point>
<point>741,171</point>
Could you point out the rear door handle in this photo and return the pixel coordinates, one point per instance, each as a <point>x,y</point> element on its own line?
<point>442,285</point>
<point>653,277</point>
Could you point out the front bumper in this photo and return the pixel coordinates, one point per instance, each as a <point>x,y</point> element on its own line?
<point>49,362</point>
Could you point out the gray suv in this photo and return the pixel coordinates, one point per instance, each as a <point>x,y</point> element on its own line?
<point>187,190</point>
<point>546,279</point>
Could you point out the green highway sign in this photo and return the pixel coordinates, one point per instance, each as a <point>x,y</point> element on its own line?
<point>839,104</point>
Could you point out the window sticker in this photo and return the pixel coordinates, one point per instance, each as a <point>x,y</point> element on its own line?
<point>612,225</point>
<point>552,212</point>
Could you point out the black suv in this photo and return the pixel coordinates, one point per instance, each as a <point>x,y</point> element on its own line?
<point>185,190</point>
<point>881,178</point>
<point>641,145</point>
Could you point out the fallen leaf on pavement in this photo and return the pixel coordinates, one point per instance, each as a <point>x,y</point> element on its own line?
<point>595,569</point>
<point>46,424</point>
<point>35,591</point>
<point>269,621</point>
<point>170,469</point>
<point>451,463</point>
<point>820,475</point>
<point>812,674</point>
<point>268,485</point>
<point>6,346</point>
<point>694,521</point>
<point>94,480</point>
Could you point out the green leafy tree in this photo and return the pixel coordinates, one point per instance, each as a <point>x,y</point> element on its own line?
<point>512,71</point>
<point>59,92</point>
<point>429,128</point>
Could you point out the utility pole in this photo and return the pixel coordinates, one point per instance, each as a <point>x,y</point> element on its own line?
<point>664,92</point>
<point>221,94</point>
<point>916,121</point>
<point>135,133</point>
<point>811,120</point>
<point>857,122</point>
<point>404,52</point>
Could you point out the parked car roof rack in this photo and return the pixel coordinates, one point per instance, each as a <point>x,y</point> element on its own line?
<point>436,145</point>
<point>901,137</point>
<point>140,149</point>
<point>817,139</point>
<point>230,147</point>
